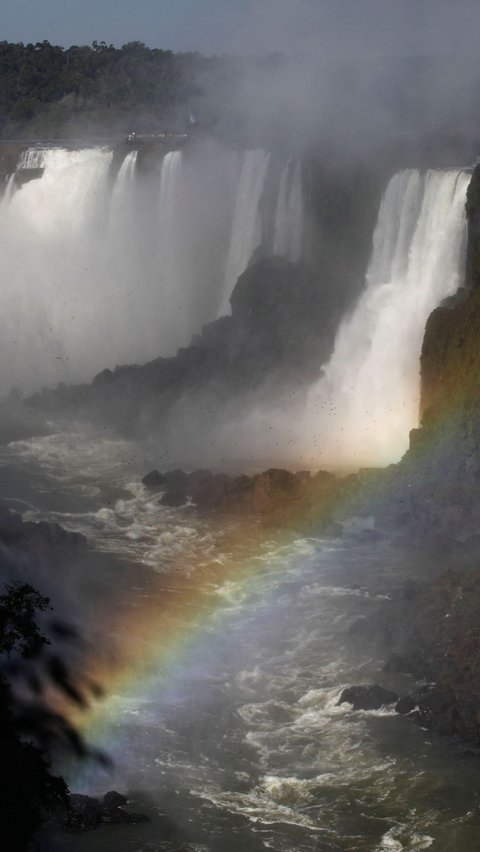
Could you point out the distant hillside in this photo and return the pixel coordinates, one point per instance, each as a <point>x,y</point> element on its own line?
<point>48,91</point>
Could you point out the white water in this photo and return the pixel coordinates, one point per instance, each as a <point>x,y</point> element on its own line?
<point>246,233</point>
<point>361,411</point>
<point>288,231</point>
<point>50,285</point>
<point>236,732</point>
<point>368,401</point>
<point>33,158</point>
<point>108,263</point>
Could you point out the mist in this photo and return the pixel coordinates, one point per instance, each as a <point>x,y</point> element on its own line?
<point>223,261</point>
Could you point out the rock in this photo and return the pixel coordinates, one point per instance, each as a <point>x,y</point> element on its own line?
<point>367,696</point>
<point>405,705</point>
<point>175,484</point>
<point>112,815</point>
<point>154,479</point>
<point>137,819</point>
<point>83,814</point>
<point>272,485</point>
<point>324,476</point>
<point>114,799</point>
<point>213,491</point>
<point>174,497</point>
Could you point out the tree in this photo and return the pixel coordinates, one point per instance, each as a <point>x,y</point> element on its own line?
<point>29,729</point>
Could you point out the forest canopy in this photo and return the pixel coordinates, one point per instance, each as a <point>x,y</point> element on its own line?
<point>50,91</point>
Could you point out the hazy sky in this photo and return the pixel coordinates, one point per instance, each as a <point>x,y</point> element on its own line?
<point>331,26</point>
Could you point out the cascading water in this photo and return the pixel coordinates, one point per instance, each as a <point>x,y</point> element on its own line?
<point>33,158</point>
<point>246,234</point>
<point>367,402</point>
<point>51,287</point>
<point>98,273</point>
<point>106,264</point>
<point>8,192</point>
<point>171,256</point>
<point>288,230</point>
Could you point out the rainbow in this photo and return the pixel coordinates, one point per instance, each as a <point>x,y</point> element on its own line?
<point>166,637</point>
<point>172,635</point>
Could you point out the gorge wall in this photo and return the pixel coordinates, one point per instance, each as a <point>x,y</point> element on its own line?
<point>430,504</point>
<point>306,362</point>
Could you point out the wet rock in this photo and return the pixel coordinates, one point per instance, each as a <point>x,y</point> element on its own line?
<point>367,696</point>
<point>113,799</point>
<point>175,484</point>
<point>215,491</point>
<point>405,705</point>
<point>277,497</point>
<point>85,813</point>
<point>154,479</point>
<point>271,485</point>
<point>42,541</point>
<point>114,816</point>
<point>174,497</point>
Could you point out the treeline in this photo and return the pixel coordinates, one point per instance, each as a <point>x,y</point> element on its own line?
<point>50,91</point>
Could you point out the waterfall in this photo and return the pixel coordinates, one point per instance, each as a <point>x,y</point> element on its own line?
<point>109,262</point>
<point>99,273</point>
<point>364,407</point>
<point>33,158</point>
<point>288,228</point>
<point>169,224</point>
<point>48,295</point>
<point>246,234</point>
<point>123,185</point>
<point>8,191</point>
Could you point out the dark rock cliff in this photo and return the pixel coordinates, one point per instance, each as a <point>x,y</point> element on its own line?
<point>434,500</point>
<point>281,329</point>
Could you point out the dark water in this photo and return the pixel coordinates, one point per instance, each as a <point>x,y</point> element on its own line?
<point>237,741</point>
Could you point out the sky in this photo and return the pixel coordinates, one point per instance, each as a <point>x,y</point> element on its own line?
<point>330,27</point>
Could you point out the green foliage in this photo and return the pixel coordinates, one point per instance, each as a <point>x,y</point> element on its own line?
<point>30,731</point>
<point>100,87</point>
<point>18,629</point>
<point>29,791</point>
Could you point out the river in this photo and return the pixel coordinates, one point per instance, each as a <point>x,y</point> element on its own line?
<point>233,644</point>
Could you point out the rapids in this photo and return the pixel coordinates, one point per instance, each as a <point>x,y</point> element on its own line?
<point>222,649</point>
<point>238,645</point>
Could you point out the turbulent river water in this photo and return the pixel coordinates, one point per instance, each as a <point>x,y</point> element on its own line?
<point>233,730</point>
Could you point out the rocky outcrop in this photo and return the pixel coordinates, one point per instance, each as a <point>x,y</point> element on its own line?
<point>432,497</point>
<point>85,813</point>
<point>279,497</point>
<point>431,501</point>
<point>433,633</point>
<point>280,331</point>
<point>41,541</point>
<point>9,156</point>
<point>368,697</point>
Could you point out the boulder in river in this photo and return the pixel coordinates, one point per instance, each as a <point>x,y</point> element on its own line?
<point>85,813</point>
<point>368,696</point>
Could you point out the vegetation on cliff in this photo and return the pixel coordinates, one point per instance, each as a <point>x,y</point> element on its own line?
<point>49,91</point>
<point>30,793</point>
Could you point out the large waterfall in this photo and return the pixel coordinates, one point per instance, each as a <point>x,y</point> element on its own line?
<point>367,402</point>
<point>362,409</point>
<point>247,224</point>
<point>288,231</point>
<point>106,262</point>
